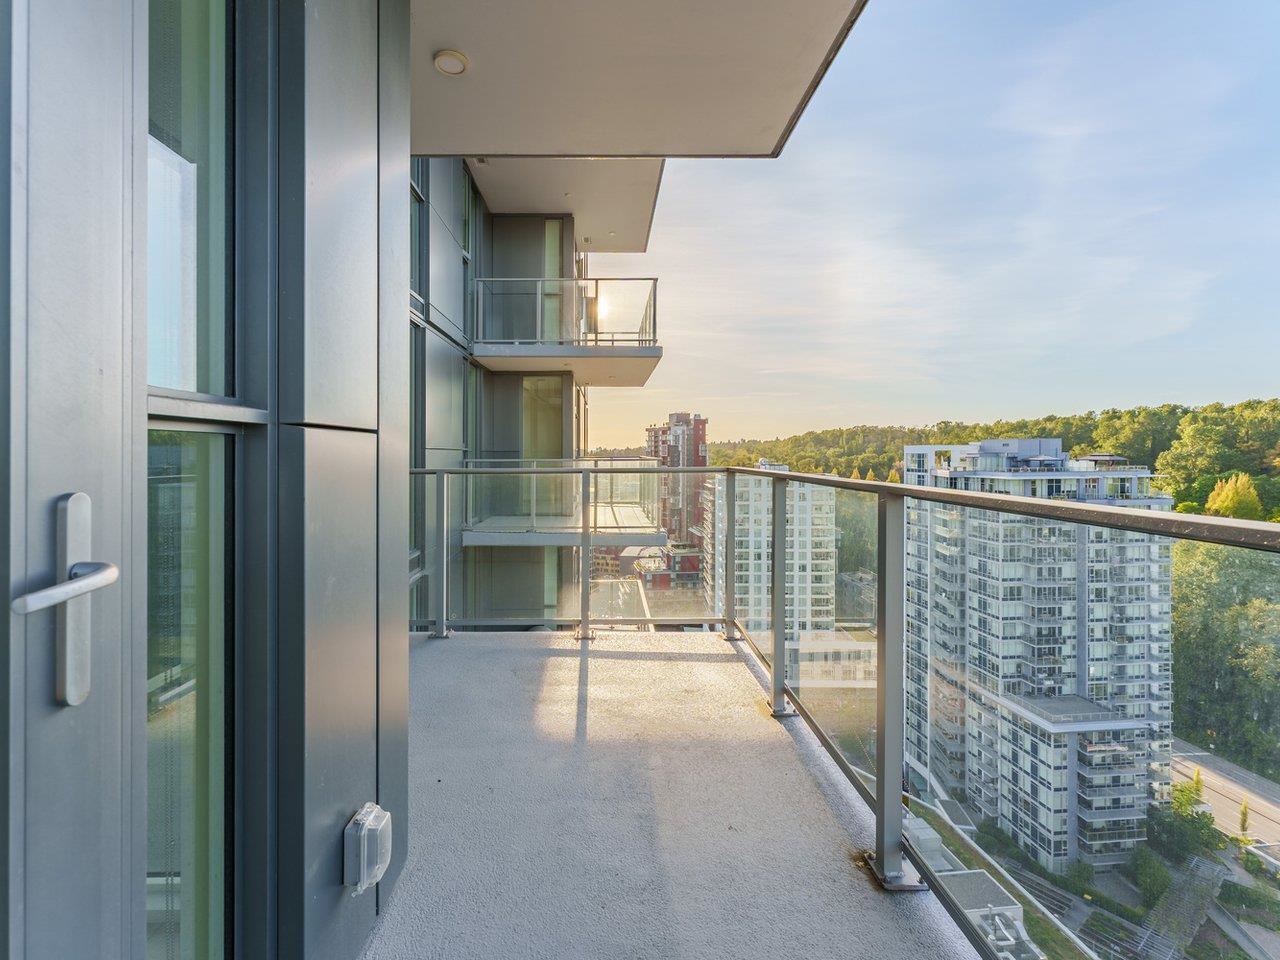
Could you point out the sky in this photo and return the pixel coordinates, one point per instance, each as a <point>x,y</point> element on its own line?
<point>996,208</point>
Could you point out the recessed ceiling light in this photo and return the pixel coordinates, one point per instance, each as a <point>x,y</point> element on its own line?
<point>613,233</point>
<point>451,63</point>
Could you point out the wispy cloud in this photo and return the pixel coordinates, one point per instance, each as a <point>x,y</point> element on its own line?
<point>981,216</point>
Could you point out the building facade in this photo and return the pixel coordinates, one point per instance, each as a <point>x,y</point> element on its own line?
<point>680,442</point>
<point>1038,685</point>
<point>811,557</point>
<point>508,332</point>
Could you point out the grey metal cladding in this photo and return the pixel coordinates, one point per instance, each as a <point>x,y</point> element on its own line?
<point>328,680</point>
<point>393,431</point>
<point>329,213</point>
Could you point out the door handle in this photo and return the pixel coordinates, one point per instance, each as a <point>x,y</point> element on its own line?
<point>78,577</point>
<point>82,578</point>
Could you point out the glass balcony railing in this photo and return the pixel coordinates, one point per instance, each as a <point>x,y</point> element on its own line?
<point>1061,801</point>
<point>548,496</point>
<point>594,312</point>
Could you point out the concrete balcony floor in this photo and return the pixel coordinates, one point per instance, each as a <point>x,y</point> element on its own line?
<point>630,797</point>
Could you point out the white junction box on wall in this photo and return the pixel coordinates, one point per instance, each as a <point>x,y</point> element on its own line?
<point>366,848</point>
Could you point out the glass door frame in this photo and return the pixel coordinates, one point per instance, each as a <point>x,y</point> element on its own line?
<point>249,416</point>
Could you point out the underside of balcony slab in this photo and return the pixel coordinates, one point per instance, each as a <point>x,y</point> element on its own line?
<point>629,797</point>
<point>592,365</point>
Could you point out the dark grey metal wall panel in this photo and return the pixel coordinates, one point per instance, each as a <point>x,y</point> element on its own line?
<point>329,212</point>
<point>446,390</point>
<point>446,193</point>
<point>519,246</point>
<point>502,428</point>
<point>445,278</point>
<point>328,681</point>
<point>393,429</point>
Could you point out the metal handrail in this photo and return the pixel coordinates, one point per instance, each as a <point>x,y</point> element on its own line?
<point>1224,531</point>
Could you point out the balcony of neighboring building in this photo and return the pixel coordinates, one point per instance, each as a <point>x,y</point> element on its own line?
<point>602,330</point>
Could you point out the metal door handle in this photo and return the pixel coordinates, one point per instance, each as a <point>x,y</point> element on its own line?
<point>83,578</point>
<point>78,576</point>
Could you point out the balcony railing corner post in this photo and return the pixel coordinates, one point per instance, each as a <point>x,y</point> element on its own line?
<point>730,538</point>
<point>778,561</point>
<point>887,860</point>
<point>584,562</point>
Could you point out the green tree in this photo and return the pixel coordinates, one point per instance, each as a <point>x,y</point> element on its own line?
<point>1226,669</point>
<point>1235,497</point>
<point>871,474</point>
<point>1244,817</point>
<point>1141,434</point>
<point>1197,784</point>
<point>1079,874</point>
<point>1217,440</point>
<point>894,476</point>
<point>855,475</point>
<point>1149,875</point>
<point>1184,829</point>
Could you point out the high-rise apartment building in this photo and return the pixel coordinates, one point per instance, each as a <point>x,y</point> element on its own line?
<point>1038,653</point>
<point>811,556</point>
<point>680,442</point>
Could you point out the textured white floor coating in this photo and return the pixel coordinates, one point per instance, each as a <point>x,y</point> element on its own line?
<point>630,799</point>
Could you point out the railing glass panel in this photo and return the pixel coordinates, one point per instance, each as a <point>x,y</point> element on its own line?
<point>578,312</point>
<point>668,581</point>
<point>831,615</point>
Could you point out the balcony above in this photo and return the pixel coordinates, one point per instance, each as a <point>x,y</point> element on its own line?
<point>620,79</point>
<point>629,797</point>
<point>602,330</point>
<point>539,503</point>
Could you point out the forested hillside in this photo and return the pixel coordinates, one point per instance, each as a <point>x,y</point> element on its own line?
<point>1190,448</point>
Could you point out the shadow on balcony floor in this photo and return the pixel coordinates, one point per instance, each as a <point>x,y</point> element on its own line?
<point>630,799</point>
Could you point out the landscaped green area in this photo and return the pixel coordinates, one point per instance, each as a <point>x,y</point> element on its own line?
<point>1254,904</point>
<point>1078,878</point>
<point>1047,935</point>
<point>1212,944</point>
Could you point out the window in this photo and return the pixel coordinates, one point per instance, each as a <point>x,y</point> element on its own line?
<point>189,197</point>
<point>189,632</point>
<point>191,481</point>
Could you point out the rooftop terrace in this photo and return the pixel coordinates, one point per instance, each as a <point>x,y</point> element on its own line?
<point>630,797</point>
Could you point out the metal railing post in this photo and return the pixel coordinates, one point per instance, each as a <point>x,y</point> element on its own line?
<point>584,572</point>
<point>887,860</point>
<point>442,552</point>
<point>778,668</point>
<point>730,553</point>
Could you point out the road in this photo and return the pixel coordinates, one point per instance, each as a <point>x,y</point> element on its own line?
<point>1225,785</point>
